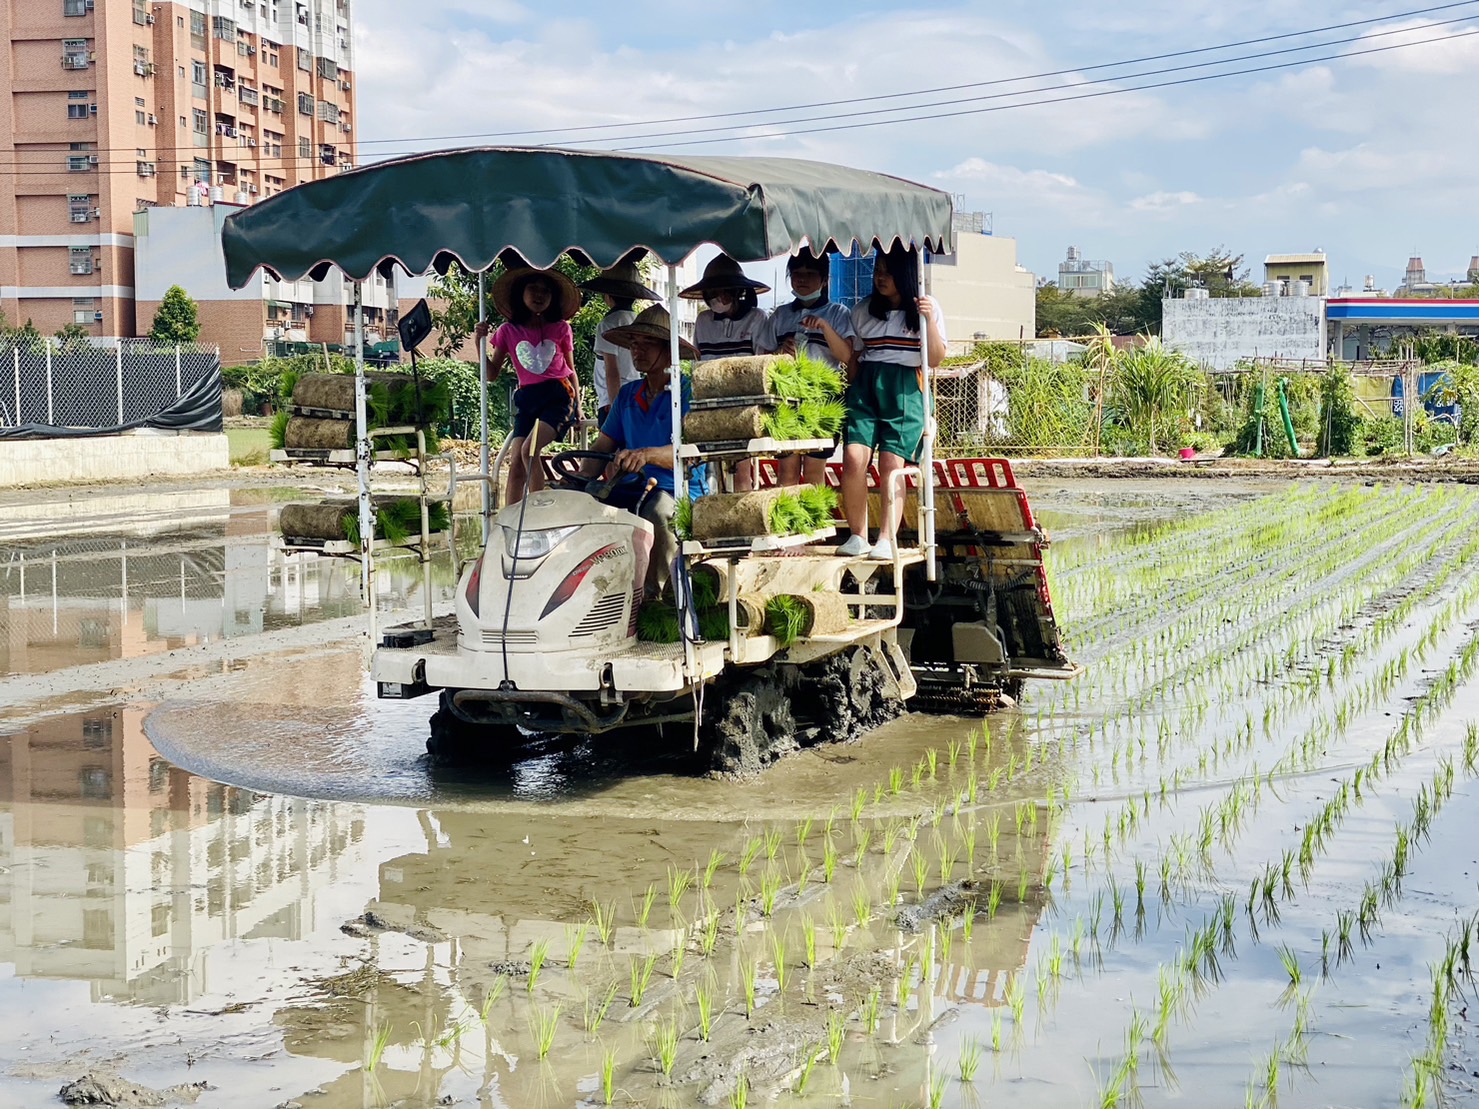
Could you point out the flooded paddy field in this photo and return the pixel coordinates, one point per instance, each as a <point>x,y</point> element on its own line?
<point>1230,865</point>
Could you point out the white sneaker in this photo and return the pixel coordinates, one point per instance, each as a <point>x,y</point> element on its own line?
<point>855,547</point>
<point>883,551</point>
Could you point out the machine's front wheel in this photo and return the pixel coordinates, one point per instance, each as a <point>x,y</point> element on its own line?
<point>458,742</point>
<point>747,723</point>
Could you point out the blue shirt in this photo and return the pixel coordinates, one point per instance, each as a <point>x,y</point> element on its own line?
<point>786,320</point>
<point>633,427</point>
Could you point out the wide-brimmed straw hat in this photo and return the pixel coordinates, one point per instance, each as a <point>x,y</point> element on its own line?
<point>623,280</point>
<point>567,297</point>
<point>654,323</point>
<point>723,273</point>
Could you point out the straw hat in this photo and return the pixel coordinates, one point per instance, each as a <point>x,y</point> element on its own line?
<point>652,322</point>
<point>623,280</point>
<point>722,273</point>
<point>567,296</point>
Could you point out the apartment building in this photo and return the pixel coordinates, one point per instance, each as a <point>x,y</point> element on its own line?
<point>122,105</point>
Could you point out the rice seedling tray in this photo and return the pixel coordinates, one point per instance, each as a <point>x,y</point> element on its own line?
<point>765,400</point>
<point>755,544</point>
<point>751,447</point>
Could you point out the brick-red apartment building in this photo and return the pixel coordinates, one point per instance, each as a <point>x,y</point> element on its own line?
<point>120,105</point>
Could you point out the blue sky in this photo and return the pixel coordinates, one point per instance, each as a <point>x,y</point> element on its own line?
<point>1368,157</point>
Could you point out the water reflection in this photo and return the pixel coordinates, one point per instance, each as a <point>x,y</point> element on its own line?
<point>72,599</point>
<point>122,871</point>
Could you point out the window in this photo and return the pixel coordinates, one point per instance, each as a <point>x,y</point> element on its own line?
<point>139,102</point>
<point>197,30</point>
<point>78,163</point>
<point>202,121</point>
<point>74,7</point>
<point>90,303</point>
<point>146,169</point>
<point>75,54</point>
<point>223,28</point>
<point>328,111</point>
<point>327,69</point>
<point>81,260</point>
<point>305,147</point>
<point>305,60</point>
<point>80,207</point>
<point>81,94</point>
<point>305,104</point>
<point>95,782</point>
<point>140,118</point>
<point>77,111</point>
<point>141,13</point>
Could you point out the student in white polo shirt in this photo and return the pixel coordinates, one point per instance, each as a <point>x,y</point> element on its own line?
<point>820,328</point>
<point>886,402</point>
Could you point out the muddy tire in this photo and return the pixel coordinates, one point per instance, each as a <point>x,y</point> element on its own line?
<point>457,742</point>
<point>845,696</point>
<point>747,724</point>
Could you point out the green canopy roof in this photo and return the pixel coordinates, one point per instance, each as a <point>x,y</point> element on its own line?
<point>472,204</point>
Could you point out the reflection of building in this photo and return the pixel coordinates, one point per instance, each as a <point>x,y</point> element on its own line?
<point>123,870</point>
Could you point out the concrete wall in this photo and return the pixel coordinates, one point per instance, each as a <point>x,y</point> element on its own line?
<point>110,457</point>
<point>1219,331</point>
<point>981,289</point>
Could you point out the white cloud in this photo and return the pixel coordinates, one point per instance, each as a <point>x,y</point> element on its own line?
<point>1158,202</point>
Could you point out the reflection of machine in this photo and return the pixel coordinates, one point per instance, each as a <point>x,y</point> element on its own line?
<point>544,634</point>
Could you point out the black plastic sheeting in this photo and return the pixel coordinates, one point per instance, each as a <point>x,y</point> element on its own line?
<point>198,409</point>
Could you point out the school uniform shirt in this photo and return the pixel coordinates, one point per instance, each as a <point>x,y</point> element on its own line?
<point>716,338</point>
<point>537,351</point>
<point>633,423</point>
<point>786,320</point>
<point>625,370</point>
<point>889,339</point>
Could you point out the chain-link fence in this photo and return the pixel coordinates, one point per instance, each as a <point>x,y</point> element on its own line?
<point>1021,405</point>
<point>87,387</point>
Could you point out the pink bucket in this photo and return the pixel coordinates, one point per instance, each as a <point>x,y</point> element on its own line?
<point>1188,453</point>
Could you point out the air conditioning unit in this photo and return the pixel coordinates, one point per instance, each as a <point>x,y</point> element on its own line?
<point>80,269</point>
<point>92,159</point>
<point>346,86</point>
<point>97,317</point>
<point>140,69</point>
<point>80,217</point>
<point>308,310</point>
<point>347,129</point>
<point>153,121</point>
<point>251,51</point>
<point>88,5</point>
<point>148,21</point>
<point>93,109</point>
<point>252,189</point>
<point>97,213</point>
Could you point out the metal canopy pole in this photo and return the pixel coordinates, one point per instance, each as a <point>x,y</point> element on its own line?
<point>362,460</point>
<point>680,482</point>
<point>927,451</point>
<point>483,405</point>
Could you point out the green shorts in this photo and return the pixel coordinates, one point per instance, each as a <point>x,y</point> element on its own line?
<point>885,409</point>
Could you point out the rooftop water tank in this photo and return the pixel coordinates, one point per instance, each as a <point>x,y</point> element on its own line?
<point>1270,288</point>
<point>1299,288</point>
<point>1197,294</point>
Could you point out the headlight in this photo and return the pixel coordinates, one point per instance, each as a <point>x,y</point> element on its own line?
<point>535,544</point>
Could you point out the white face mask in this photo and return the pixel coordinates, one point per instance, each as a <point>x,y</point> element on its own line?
<point>809,298</point>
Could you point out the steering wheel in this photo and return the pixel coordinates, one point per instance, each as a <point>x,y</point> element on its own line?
<point>567,470</point>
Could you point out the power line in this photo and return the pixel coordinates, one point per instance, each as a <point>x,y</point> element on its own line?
<point>953,88</point>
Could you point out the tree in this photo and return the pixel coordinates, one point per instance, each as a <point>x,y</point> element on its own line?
<point>73,337</point>
<point>177,320</point>
<point>1149,387</point>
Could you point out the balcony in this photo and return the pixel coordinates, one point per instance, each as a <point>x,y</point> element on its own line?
<point>226,130</point>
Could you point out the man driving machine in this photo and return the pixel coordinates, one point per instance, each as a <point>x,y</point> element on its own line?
<point>639,432</point>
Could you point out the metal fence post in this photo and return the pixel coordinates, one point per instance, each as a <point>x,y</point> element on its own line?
<point>16,362</point>
<point>119,364</point>
<point>50,406</point>
<point>179,389</point>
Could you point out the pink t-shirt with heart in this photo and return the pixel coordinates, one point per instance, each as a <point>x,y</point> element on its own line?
<point>537,351</point>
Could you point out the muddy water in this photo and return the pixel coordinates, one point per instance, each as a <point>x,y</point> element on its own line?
<point>309,915</point>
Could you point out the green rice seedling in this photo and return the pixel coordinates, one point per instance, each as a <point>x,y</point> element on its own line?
<point>890,836</point>
<point>739,1097</point>
<point>810,1054</point>
<point>1023,880</point>
<point>679,882</point>
<point>1017,1000</point>
<point>641,974</point>
<point>947,863</point>
<point>993,900</point>
<point>937,1091</point>
<point>772,844</point>
<point>839,928</point>
<point>862,907</point>
<point>537,956</point>
<point>643,909</point>
<point>709,936</point>
<point>972,786</point>
<point>836,1034</point>
<point>608,1075</point>
<point>704,997</point>
<point>892,887</point>
<point>809,941</point>
<point>595,1013</point>
<point>575,935</point>
<point>680,952</point>
<point>1140,883</point>
<point>864,838</point>
<point>716,860</point>
<point>829,860</point>
<point>495,991</point>
<point>803,872</point>
<point>778,950</point>
<point>664,1045</point>
<point>921,873</point>
<point>378,1044</point>
<point>859,802</point>
<point>770,888</point>
<point>605,920</point>
<point>952,750</point>
<point>747,856</point>
<point>996,1031</point>
<point>803,832</point>
<point>544,1024</point>
<point>947,940</point>
<point>918,779</point>
<point>749,972</point>
<point>896,780</point>
<point>873,1010</point>
<point>932,761</point>
<point>968,923</point>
